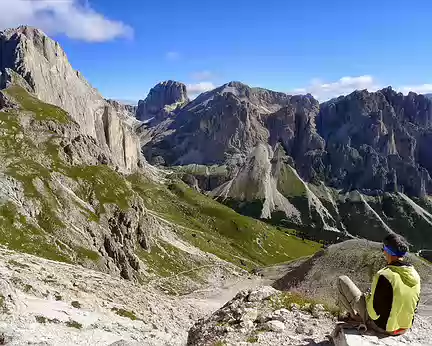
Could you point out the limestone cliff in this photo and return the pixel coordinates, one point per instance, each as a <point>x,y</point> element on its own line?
<point>47,73</point>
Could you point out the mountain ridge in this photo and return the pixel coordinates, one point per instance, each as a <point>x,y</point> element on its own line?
<point>371,142</point>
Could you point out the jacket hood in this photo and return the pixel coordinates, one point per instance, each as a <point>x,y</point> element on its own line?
<point>408,274</point>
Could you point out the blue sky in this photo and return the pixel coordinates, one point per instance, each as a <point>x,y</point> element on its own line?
<point>323,47</point>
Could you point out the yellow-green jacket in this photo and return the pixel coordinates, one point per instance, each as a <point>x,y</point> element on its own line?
<point>394,297</point>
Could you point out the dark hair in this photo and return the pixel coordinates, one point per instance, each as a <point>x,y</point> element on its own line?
<point>396,242</point>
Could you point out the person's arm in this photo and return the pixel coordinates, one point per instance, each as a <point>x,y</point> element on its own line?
<point>383,301</point>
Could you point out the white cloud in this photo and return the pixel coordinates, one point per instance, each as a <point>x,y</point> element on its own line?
<point>202,75</point>
<point>127,102</point>
<point>198,88</point>
<point>325,91</point>
<point>172,56</point>
<point>73,18</point>
<point>419,89</point>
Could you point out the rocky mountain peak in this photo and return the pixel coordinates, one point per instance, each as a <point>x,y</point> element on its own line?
<point>162,99</point>
<point>266,101</point>
<point>237,85</point>
<point>19,43</point>
<point>28,31</point>
<point>37,63</point>
<point>122,107</point>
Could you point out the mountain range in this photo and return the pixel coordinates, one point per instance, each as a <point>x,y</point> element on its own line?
<point>354,166</point>
<point>320,168</point>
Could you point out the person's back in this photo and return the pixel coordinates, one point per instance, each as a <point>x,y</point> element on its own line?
<point>395,292</point>
<point>394,297</point>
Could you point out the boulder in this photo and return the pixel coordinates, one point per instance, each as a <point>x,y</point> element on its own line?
<point>275,326</point>
<point>352,337</point>
<point>250,315</point>
<point>261,293</point>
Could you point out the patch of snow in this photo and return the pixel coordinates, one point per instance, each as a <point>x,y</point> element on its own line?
<point>147,120</point>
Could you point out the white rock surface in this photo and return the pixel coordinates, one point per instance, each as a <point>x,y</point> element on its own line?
<point>250,315</point>
<point>351,337</point>
<point>50,303</point>
<point>275,326</point>
<point>285,327</point>
<point>261,294</point>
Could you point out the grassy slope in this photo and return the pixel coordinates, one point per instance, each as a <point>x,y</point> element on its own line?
<point>289,184</point>
<point>206,224</point>
<point>216,228</point>
<point>32,164</point>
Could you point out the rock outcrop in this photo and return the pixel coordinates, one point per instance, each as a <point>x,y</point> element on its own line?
<point>352,337</point>
<point>377,142</point>
<point>220,126</point>
<point>289,319</point>
<point>162,100</point>
<point>124,109</point>
<point>42,65</point>
<point>255,183</point>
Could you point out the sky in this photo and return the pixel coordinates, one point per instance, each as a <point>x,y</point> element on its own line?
<point>326,48</point>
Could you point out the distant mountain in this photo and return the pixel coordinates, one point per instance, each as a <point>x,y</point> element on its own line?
<point>429,96</point>
<point>163,99</point>
<point>320,167</point>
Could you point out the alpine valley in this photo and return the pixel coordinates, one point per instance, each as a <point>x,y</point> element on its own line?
<point>222,220</point>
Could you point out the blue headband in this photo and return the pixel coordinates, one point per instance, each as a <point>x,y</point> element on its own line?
<point>394,253</point>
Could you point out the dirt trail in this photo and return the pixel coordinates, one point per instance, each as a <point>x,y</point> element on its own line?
<point>213,298</point>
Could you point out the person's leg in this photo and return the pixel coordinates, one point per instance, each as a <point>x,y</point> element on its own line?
<point>351,298</point>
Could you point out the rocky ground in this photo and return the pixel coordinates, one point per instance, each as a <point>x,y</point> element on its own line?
<point>265,316</point>
<point>50,303</point>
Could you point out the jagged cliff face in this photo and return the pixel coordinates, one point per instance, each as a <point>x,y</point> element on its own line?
<point>377,141</point>
<point>46,72</point>
<point>219,126</point>
<point>162,100</point>
<point>366,141</point>
<point>320,168</point>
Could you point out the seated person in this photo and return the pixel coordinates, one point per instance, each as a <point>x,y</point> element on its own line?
<point>390,306</point>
